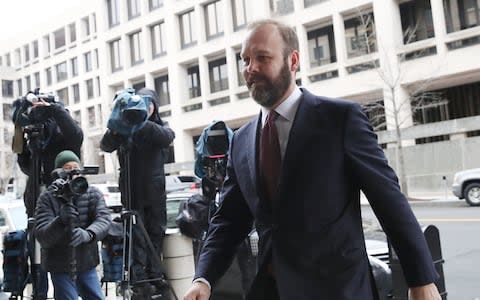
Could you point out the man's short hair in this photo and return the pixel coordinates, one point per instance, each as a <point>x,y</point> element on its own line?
<point>288,34</point>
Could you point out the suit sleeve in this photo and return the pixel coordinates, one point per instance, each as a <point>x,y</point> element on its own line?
<point>228,229</point>
<point>379,183</point>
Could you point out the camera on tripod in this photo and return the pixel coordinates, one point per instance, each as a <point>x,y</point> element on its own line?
<point>130,112</point>
<point>24,115</point>
<point>71,183</point>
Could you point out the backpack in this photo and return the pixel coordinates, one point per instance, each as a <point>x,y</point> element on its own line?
<point>112,253</point>
<point>15,264</point>
<point>192,219</point>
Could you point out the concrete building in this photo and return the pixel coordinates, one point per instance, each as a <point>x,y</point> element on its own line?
<point>416,59</point>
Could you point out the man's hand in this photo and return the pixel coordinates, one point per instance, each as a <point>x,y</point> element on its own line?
<point>80,236</point>
<point>198,291</point>
<point>424,292</point>
<point>68,212</point>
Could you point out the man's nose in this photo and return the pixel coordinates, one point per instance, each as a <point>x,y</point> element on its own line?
<point>252,67</point>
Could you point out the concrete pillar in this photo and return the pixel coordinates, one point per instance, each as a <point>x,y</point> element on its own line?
<point>340,47</point>
<point>439,25</point>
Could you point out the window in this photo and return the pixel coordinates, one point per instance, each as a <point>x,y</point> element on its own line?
<point>97,79</point>
<point>7,114</point>
<point>74,66</point>
<point>218,75</point>
<point>154,4</point>
<point>194,89</point>
<point>375,112</point>
<point>61,70</point>
<point>73,32</point>
<point>36,77</point>
<point>28,83</point>
<point>139,85</point>
<point>91,116</point>
<point>187,29</point>
<point>26,53</point>
<point>417,22</point>
<point>95,59</point>
<point>46,45</point>
<point>135,49</point>
<point>75,93</point>
<point>113,15</point>
<point>321,46</point>
<point>8,60</point>
<point>18,57</point>
<point>19,87</point>
<point>89,86</point>
<point>133,9</point>
<point>88,61</point>
<point>59,38</point>
<point>309,3</point>
<point>35,49</point>
<point>281,7</point>
<point>99,114</point>
<point>161,87</point>
<point>241,12</point>
<point>461,14</point>
<point>360,35</point>
<point>77,116</point>
<point>48,75</point>
<point>63,95</point>
<point>7,88</point>
<point>115,56</point>
<point>85,27</point>
<point>94,22</point>
<point>240,67</point>
<point>158,39</point>
<point>214,19</point>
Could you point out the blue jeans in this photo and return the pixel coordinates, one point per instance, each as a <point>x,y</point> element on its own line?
<point>87,286</point>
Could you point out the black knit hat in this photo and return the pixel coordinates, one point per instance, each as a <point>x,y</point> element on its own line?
<point>64,157</point>
<point>151,93</point>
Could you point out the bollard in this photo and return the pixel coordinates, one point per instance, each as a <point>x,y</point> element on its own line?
<point>178,261</point>
<point>400,287</point>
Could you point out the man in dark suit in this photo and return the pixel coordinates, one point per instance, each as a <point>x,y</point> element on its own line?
<point>297,171</point>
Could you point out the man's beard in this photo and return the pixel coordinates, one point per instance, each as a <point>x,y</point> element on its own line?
<point>270,94</point>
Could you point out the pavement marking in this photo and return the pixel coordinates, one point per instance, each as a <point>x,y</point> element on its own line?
<point>449,220</point>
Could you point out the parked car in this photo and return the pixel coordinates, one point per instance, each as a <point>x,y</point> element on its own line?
<point>174,183</point>
<point>466,185</point>
<point>111,194</point>
<point>230,285</point>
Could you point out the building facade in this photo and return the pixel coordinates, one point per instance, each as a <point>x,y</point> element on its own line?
<point>410,63</point>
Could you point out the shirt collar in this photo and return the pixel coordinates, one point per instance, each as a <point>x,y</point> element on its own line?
<point>287,109</point>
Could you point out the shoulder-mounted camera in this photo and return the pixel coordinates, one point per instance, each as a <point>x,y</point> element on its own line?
<point>24,115</point>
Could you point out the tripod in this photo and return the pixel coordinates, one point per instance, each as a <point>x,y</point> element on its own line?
<point>35,137</point>
<point>129,218</point>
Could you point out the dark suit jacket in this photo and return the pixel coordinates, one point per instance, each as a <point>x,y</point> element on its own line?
<point>313,233</point>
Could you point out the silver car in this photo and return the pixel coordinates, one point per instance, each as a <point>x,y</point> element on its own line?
<point>466,185</point>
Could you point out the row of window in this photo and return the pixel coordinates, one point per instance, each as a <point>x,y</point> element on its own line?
<point>57,41</point>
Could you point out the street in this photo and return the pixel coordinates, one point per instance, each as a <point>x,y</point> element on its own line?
<point>459,227</point>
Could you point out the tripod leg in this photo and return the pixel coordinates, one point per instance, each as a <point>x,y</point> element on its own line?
<point>127,258</point>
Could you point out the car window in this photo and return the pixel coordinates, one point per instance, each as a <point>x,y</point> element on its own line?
<point>188,179</point>
<point>19,217</point>
<point>3,222</point>
<point>172,212</point>
<point>113,189</point>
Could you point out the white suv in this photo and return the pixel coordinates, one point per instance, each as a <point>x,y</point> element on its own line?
<point>111,194</point>
<point>466,184</point>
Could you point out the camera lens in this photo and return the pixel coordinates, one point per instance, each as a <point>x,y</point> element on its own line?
<point>79,185</point>
<point>134,116</point>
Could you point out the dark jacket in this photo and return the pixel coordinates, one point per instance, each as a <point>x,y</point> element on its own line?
<point>312,232</point>
<point>52,233</point>
<point>61,132</point>
<point>147,157</point>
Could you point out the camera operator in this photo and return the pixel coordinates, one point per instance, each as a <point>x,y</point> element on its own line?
<point>56,214</point>
<point>147,157</point>
<point>46,129</point>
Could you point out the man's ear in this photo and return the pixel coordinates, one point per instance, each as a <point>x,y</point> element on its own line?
<point>294,60</point>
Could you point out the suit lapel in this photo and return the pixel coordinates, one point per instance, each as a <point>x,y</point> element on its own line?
<point>252,153</point>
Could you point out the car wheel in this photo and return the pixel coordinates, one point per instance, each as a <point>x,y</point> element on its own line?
<point>472,194</point>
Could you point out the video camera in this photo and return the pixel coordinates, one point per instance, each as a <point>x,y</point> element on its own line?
<point>23,115</point>
<point>130,112</point>
<point>66,186</point>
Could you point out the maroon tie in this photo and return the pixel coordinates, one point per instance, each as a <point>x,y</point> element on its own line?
<point>270,158</point>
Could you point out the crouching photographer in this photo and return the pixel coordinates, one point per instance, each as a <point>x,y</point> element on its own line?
<point>70,218</point>
<point>141,139</point>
